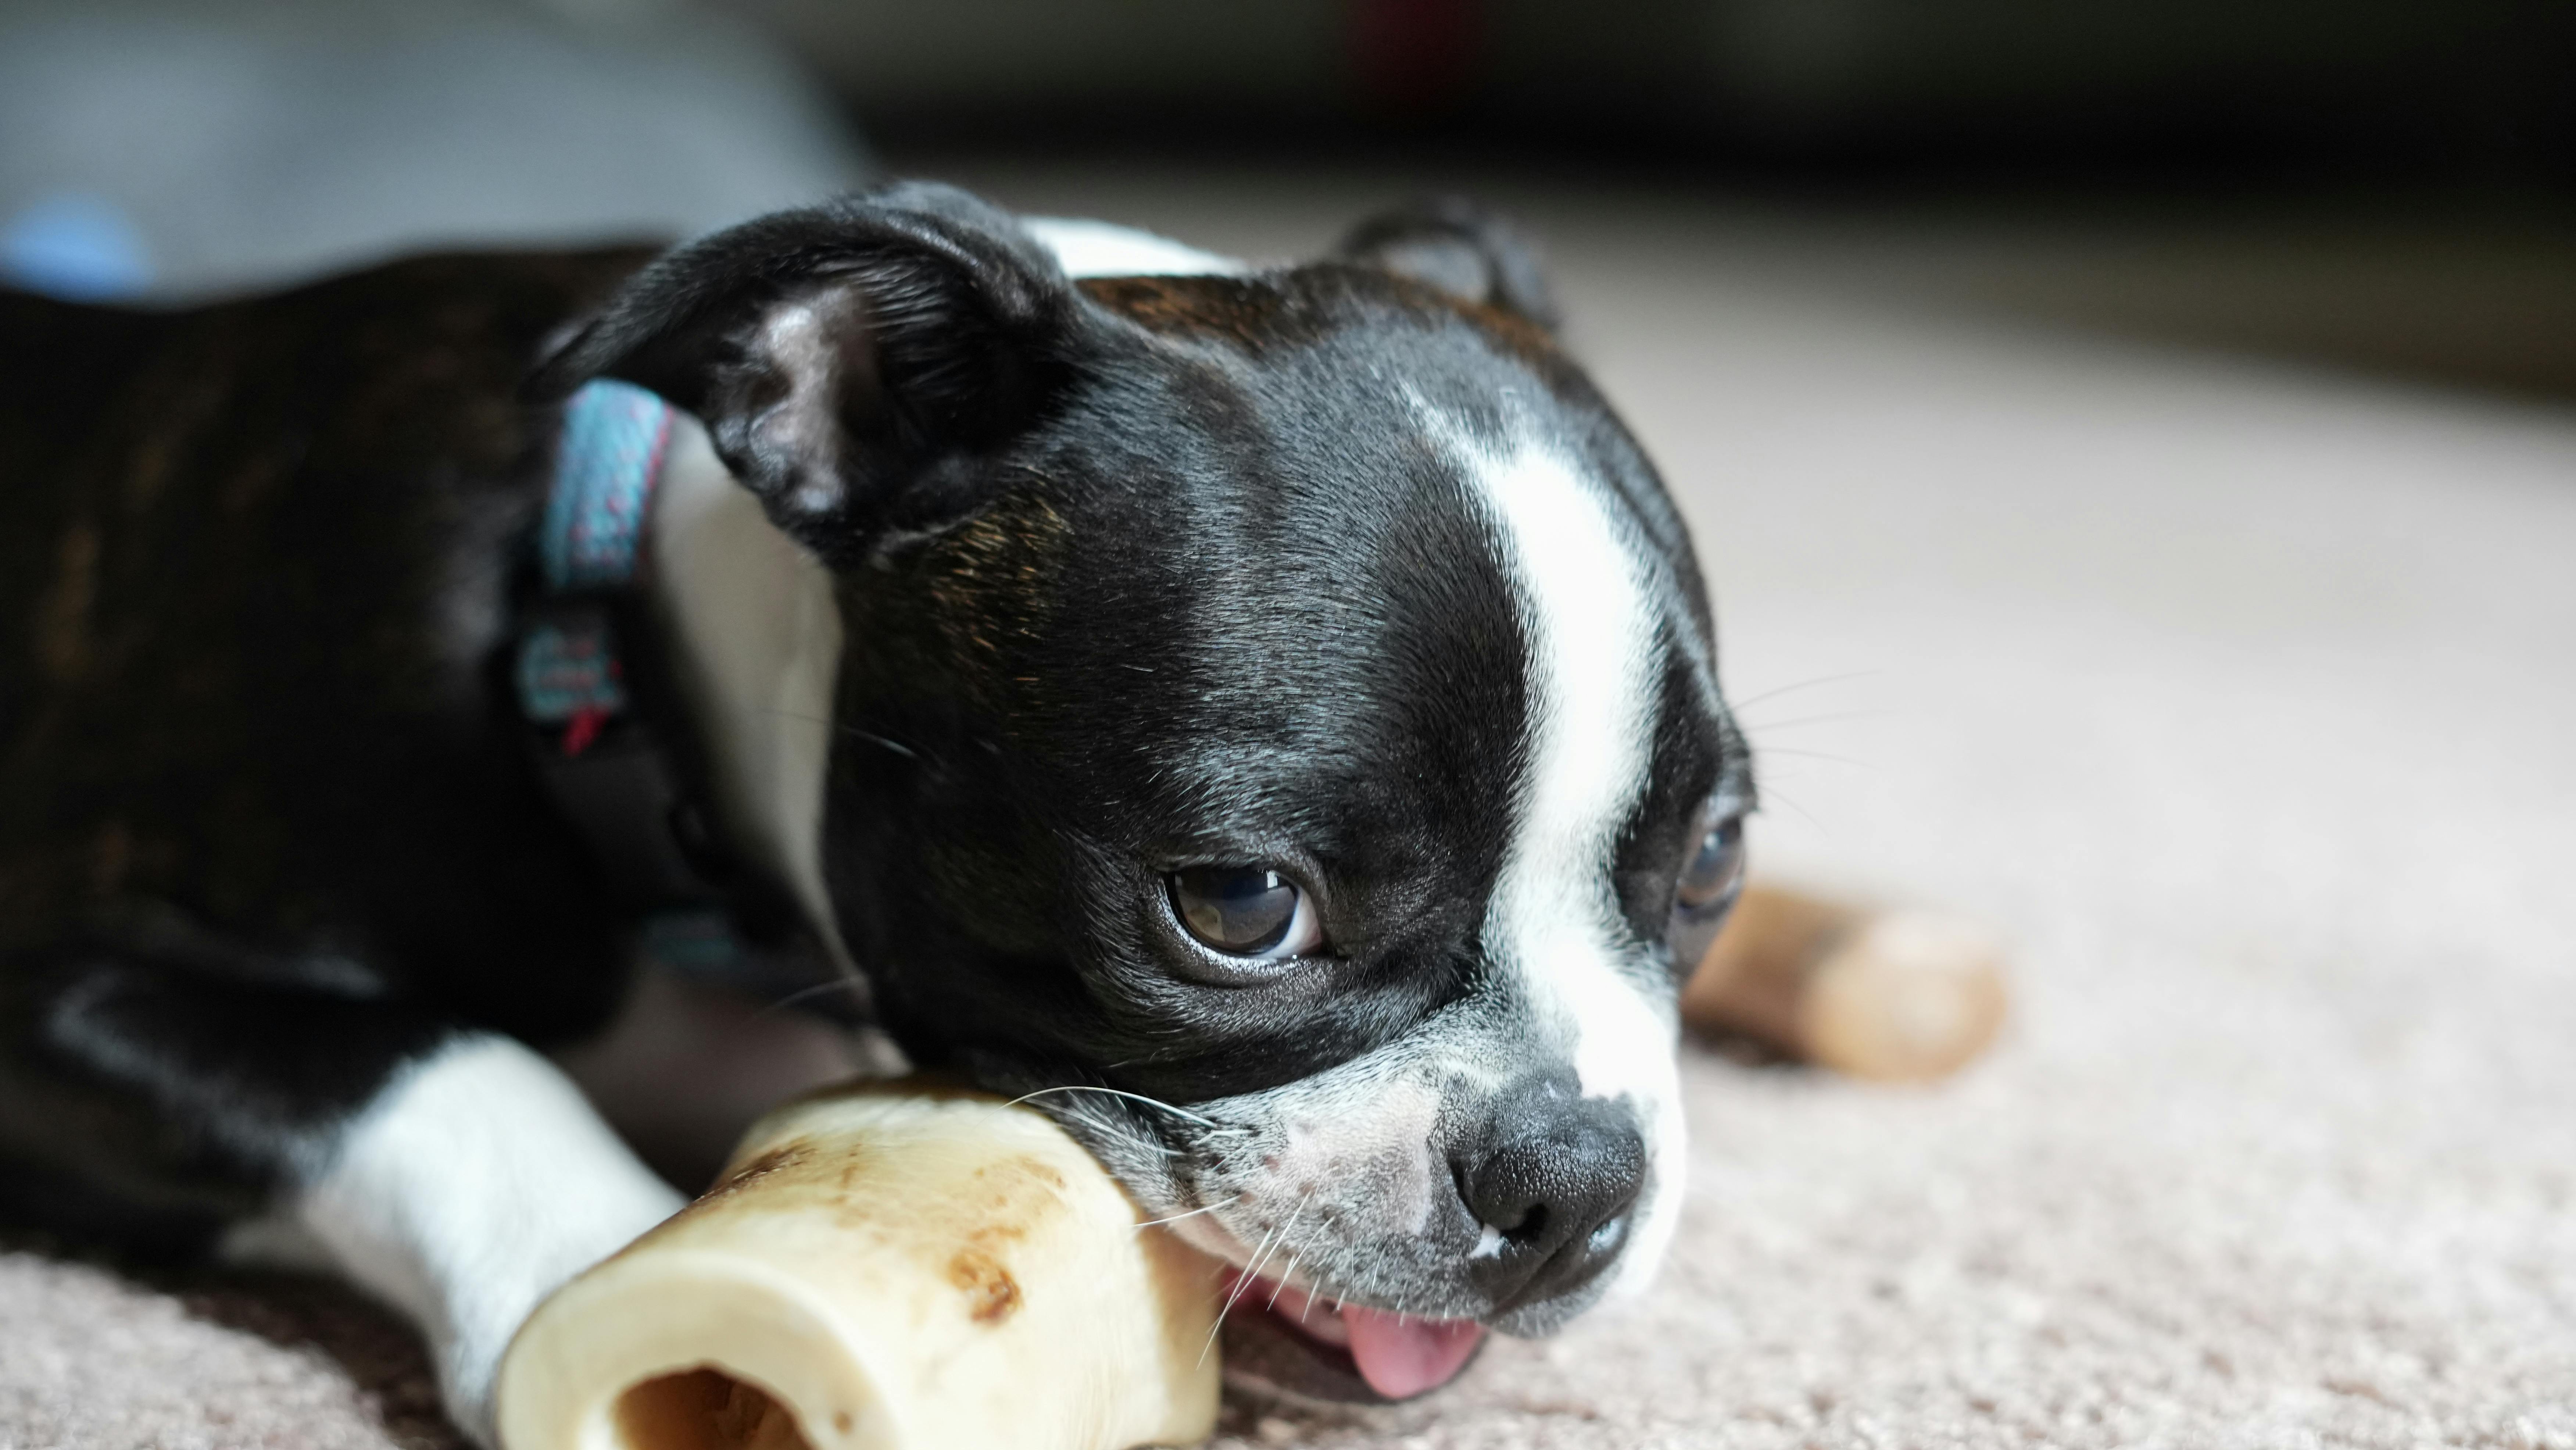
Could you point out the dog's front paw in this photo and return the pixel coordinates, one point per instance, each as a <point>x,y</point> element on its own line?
<point>478,1183</point>
<point>468,1369</point>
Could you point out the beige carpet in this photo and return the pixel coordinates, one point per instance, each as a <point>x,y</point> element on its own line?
<point>2243,697</point>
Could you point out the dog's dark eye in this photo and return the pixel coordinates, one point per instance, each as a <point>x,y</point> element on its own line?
<point>1707,886</point>
<point>1244,911</point>
<point>1715,870</point>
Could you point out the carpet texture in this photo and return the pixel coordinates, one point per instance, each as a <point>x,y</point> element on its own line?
<point>2240,696</point>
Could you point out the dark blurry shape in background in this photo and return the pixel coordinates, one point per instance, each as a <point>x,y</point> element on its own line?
<point>2388,184</point>
<point>2081,84</point>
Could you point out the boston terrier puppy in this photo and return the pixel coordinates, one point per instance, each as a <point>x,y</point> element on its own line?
<point>1268,715</point>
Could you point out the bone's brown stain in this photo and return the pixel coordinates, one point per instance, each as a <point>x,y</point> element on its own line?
<point>967,1231</point>
<point>779,1159</point>
<point>992,1295</point>
<point>1017,1194</point>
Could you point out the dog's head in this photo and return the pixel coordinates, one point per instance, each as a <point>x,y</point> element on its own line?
<point>1277,718</point>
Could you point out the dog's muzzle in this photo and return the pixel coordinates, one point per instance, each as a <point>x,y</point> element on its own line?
<point>1542,1193</point>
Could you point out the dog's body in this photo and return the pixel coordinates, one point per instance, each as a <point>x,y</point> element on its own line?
<point>1283,695</point>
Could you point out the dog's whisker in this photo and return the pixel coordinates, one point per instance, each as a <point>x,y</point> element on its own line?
<point>1768,726</point>
<point>1740,706</point>
<point>1277,1240</point>
<point>897,746</point>
<point>1773,793</point>
<point>853,731</point>
<point>1270,1245</point>
<point>819,989</point>
<point>1242,1277</point>
<point>1122,1132</point>
<point>1176,1218</point>
<point>1775,751</point>
<point>1279,1285</point>
<point>1075,1087</point>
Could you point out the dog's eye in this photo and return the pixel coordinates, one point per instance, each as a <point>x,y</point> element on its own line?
<point>1715,870</point>
<point>1245,911</point>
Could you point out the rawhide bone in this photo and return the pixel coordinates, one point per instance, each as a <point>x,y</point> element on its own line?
<point>886,1267</point>
<point>1898,996</point>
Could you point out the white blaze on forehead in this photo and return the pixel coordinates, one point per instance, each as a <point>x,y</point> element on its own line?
<point>1584,587</point>
<point>1100,249</point>
<point>1555,918</point>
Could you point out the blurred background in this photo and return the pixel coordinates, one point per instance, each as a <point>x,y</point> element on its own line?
<point>2133,447</point>
<point>2385,183</point>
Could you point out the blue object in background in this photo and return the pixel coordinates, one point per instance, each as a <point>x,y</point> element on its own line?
<point>75,247</point>
<point>257,142</point>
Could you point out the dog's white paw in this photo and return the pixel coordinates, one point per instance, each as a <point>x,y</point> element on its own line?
<point>477,1183</point>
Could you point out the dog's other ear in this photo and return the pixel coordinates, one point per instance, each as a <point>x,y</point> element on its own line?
<point>1455,245</point>
<point>854,363</point>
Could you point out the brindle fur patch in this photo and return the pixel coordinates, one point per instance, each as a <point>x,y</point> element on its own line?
<point>232,692</point>
<point>1287,309</point>
<point>1250,313</point>
<point>988,579</point>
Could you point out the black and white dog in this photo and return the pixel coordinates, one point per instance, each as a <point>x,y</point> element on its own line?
<point>1279,700</point>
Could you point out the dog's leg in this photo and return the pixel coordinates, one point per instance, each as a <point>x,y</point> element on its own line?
<point>1902,996</point>
<point>455,1173</point>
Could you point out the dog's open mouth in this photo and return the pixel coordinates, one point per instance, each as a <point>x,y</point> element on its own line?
<point>1280,1338</point>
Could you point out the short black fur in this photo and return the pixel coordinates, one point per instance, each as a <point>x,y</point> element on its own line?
<point>1137,574</point>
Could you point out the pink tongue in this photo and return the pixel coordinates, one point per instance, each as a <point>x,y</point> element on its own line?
<point>1401,1357</point>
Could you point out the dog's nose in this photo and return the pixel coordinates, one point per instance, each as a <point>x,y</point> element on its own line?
<point>1551,1183</point>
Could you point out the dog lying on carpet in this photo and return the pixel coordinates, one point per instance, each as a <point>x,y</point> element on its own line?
<point>1286,694</point>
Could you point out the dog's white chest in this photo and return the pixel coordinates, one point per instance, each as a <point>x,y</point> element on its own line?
<point>758,641</point>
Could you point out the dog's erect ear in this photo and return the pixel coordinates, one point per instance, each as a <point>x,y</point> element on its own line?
<point>854,363</point>
<point>1455,245</point>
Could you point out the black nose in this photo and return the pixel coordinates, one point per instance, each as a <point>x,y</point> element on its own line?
<point>1550,1184</point>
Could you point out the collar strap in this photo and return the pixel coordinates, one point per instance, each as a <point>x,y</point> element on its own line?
<point>607,460</point>
<point>608,457</point>
<point>599,760</point>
